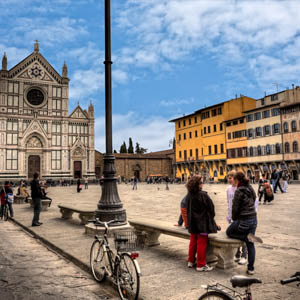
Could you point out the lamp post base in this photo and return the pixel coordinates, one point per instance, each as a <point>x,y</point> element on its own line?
<point>110,206</point>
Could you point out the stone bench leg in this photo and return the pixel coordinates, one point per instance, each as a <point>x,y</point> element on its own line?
<point>211,258</point>
<point>225,257</point>
<point>45,205</point>
<point>66,213</point>
<point>152,239</point>
<point>85,218</point>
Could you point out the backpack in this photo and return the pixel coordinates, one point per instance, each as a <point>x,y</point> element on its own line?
<point>9,197</point>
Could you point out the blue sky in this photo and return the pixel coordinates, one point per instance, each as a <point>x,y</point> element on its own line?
<point>170,57</point>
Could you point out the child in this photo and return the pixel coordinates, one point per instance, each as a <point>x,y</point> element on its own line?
<point>240,256</point>
<point>183,215</point>
<point>5,191</point>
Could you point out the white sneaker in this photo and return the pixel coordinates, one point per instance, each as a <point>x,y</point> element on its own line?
<point>190,264</point>
<point>250,272</point>
<point>205,268</point>
<point>243,261</point>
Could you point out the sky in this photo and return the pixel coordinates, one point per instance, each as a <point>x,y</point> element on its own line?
<point>170,57</point>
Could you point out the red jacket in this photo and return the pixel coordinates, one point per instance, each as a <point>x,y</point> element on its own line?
<point>2,194</point>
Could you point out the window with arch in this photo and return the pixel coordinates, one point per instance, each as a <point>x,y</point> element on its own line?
<point>250,133</point>
<point>276,128</point>
<point>268,149</point>
<point>295,146</point>
<point>251,152</point>
<point>267,130</point>
<point>259,150</point>
<point>285,127</point>
<point>277,149</point>
<point>215,173</point>
<point>294,126</point>
<point>258,131</point>
<point>287,147</point>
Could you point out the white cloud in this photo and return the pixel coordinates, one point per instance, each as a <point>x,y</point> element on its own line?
<point>176,102</point>
<point>14,54</point>
<point>234,33</point>
<point>151,132</point>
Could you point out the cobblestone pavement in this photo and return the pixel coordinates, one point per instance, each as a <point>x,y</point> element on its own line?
<point>28,270</point>
<point>165,274</point>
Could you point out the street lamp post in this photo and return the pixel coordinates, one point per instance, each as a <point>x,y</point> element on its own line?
<point>110,206</point>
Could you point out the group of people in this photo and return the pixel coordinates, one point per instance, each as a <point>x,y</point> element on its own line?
<point>198,213</point>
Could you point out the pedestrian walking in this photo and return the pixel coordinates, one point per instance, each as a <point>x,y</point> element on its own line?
<point>134,183</point>
<point>277,181</point>
<point>86,183</point>
<point>241,254</point>
<point>200,213</point>
<point>36,195</point>
<point>167,183</point>
<point>265,190</point>
<point>244,217</point>
<point>7,197</point>
<point>285,178</point>
<point>79,187</point>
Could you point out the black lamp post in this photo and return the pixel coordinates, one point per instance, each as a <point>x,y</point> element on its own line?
<point>110,206</point>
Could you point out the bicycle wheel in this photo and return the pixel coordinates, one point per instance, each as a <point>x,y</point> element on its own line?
<point>128,278</point>
<point>5,213</point>
<point>98,261</point>
<point>214,295</point>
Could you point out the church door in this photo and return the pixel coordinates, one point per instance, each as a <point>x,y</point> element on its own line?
<point>34,165</point>
<point>77,169</point>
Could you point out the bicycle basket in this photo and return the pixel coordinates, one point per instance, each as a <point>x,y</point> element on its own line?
<point>128,240</point>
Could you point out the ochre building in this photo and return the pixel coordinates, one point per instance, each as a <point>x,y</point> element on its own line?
<point>253,136</point>
<point>37,133</point>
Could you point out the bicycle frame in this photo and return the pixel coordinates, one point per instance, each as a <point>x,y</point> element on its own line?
<point>231,293</point>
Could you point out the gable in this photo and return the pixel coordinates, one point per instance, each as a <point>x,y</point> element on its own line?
<point>36,71</point>
<point>35,67</point>
<point>78,113</point>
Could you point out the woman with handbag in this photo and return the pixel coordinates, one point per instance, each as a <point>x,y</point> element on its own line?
<point>7,196</point>
<point>200,214</point>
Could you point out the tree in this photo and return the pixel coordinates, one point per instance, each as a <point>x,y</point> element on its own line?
<point>115,151</point>
<point>137,148</point>
<point>130,146</point>
<point>174,143</point>
<point>123,148</point>
<point>140,150</point>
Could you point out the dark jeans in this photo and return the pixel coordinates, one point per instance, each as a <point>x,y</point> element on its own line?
<point>36,210</point>
<point>277,184</point>
<point>180,220</point>
<point>240,229</point>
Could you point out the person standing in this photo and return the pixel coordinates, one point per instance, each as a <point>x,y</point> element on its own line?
<point>261,188</point>
<point>135,181</point>
<point>5,194</point>
<point>241,254</point>
<point>167,183</point>
<point>86,183</point>
<point>285,179</point>
<point>79,188</point>
<point>244,217</point>
<point>200,213</point>
<point>36,195</point>
<point>277,181</point>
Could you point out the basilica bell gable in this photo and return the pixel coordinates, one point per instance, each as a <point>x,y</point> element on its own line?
<point>37,133</point>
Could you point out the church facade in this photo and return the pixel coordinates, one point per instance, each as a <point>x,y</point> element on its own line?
<point>37,133</point>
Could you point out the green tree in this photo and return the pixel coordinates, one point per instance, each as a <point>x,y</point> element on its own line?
<point>137,148</point>
<point>123,148</point>
<point>115,151</point>
<point>143,150</point>
<point>130,146</point>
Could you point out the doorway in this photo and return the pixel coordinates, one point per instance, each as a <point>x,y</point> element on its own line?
<point>137,175</point>
<point>77,169</point>
<point>34,165</point>
<point>294,175</point>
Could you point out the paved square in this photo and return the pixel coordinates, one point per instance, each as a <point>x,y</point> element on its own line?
<point>165,274</point>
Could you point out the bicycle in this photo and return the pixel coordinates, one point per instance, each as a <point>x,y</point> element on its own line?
<point>293,278</point>
<point>219,291</point>
<point>4,212</point>
<point>121,266</point>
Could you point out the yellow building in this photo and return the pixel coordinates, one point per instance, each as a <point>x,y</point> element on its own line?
<point>201,138</point>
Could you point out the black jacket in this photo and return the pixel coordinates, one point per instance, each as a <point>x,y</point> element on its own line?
<point>36,191</point>
<point>243,204</point>
<point>201,213</point>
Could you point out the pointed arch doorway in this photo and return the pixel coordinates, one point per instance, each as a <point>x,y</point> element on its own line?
<point>34,165</point>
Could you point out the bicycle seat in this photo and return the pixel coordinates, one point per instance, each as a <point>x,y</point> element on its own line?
<point>243,281</point>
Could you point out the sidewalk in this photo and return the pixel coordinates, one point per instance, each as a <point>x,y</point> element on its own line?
<point>165,275</point>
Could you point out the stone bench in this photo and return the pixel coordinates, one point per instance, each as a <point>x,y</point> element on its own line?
<point>84,214</point>
<point>220,249</point>
<point>45,204</point>
<point>19,199</point>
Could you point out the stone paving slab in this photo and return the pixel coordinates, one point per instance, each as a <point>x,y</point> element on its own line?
<point>165,274</point>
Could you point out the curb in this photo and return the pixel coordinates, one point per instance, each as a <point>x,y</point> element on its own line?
<point>79,263</point>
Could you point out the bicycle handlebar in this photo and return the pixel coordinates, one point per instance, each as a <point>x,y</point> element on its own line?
<point>292,279</point>
<point>97,221</point>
